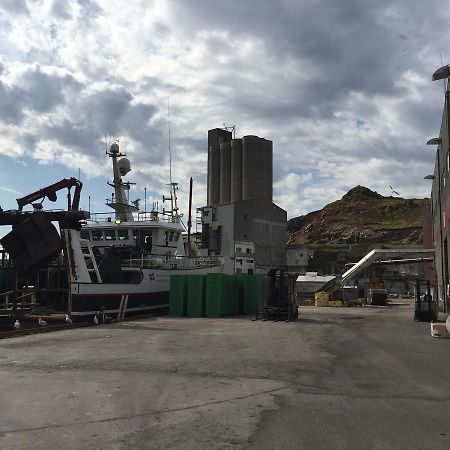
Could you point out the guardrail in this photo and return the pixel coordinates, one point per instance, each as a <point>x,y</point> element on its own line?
<point>173,262</point>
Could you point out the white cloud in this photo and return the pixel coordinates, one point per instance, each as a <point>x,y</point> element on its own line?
<point>343,90</point>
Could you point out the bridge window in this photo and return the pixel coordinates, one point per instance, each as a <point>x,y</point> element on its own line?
<point>110,235</point>
<point>97,235</point>
<point>122,235</point>
<point>84,234</point>
<point>135,235</point>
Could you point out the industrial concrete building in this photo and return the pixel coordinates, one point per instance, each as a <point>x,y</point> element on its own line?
<point>240,207</point>
<point>297,257</point>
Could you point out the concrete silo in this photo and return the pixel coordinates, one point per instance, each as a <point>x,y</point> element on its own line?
<point>236,170</point>
<point>214,174</point>
<point>267,170</point>
<point>256,168</point>
<point>225,172</point>
<point>215,137</point>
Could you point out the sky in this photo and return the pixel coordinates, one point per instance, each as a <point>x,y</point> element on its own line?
<point>342,88</point>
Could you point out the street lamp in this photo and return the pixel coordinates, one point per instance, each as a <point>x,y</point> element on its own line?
<point>437,141</point>
<point>441,73</point>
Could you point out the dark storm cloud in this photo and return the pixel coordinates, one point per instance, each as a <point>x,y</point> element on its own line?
<point>110,111</point>
<point>12,101</point>
<point>14,6</point>
<point>45,91</point>
<point>354,45</point>
<point>61,10</point>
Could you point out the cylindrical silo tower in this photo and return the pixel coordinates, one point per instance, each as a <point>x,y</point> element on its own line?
<point>225,172</point>
<point>236,170</point>
<point>216,137</point>
<point>214,174</point>
<point>252,167</point>
<point>257,166</point>
<point>267,179</point>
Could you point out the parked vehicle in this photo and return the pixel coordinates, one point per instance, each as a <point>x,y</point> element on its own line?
<point>377,297</point>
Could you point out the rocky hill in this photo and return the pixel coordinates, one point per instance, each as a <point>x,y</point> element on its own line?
<point>362,216</point>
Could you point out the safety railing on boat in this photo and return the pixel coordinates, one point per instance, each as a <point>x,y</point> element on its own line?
<point>148,216</point>
<point>172,262</point>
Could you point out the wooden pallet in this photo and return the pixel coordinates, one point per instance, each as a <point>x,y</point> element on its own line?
<point>439,330</point>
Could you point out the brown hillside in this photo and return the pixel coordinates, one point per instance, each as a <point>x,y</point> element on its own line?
<point>361,216</point>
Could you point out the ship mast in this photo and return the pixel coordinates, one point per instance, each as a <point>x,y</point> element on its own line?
<point>119,201</point>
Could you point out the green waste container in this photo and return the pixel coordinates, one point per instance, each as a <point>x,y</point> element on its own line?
<point>255,291</point>
<point>216,291</point>
<point>178,295</point>
<point>196,306</point>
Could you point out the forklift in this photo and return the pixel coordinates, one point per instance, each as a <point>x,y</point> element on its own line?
<point>426,309</point>
<point>281,301</point>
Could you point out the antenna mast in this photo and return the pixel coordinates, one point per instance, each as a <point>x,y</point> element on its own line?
<point>231,128</point>
<point>170,152</point>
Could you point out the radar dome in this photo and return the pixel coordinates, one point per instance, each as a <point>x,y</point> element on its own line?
<point>124,166</point>
<point>114,148</point>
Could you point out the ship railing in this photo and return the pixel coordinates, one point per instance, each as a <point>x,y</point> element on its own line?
<point>110,217</point>
<point>172,262</point>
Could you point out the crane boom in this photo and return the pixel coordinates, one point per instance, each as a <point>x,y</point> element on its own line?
<point>50,193</point>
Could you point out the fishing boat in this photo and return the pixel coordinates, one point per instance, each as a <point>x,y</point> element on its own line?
<point>120,262</point>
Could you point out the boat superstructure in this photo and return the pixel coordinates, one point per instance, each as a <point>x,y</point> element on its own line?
<point>121,263</point>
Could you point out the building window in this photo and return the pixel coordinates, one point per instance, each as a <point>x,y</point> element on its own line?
<point>135,235</point>
<point>238,249</point>
<point>248,250</point>
<point>250,271</point>
<point>171,236</point>
<point>238,270</point>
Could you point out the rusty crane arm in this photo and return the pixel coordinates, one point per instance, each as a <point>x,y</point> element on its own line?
<point>50,193</point>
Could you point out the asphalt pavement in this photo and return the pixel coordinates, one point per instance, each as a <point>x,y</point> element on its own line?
<point>338,378</point>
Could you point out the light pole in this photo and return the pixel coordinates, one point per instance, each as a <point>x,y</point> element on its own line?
<point>438,141</point>
<point>443,73</point>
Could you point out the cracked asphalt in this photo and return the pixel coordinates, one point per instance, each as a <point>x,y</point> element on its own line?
<point>339,378</point>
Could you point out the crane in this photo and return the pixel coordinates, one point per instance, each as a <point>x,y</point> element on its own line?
<point>50,193</point>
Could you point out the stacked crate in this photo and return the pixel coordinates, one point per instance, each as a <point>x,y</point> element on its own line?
<point>196,303</point>
<point>216,295</point>
<point>255,292</point>
<point>322,298</point>
<point>178,295</point>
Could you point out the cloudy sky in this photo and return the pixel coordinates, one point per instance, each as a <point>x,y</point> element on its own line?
<point>342,87</point>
